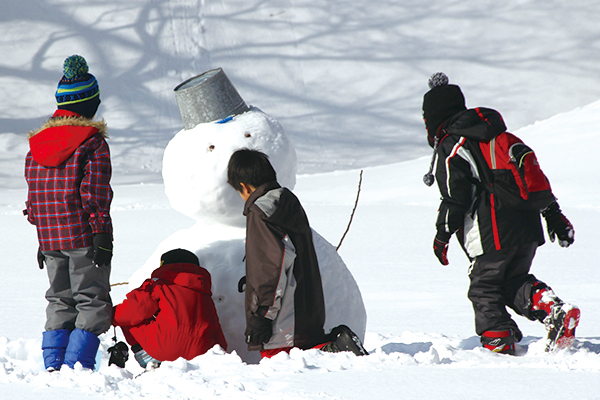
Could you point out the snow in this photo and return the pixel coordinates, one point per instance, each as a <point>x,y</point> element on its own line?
<point>195,179</point>
<point>345,80</point>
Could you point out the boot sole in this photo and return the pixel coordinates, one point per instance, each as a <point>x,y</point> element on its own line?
<point>565,337</point>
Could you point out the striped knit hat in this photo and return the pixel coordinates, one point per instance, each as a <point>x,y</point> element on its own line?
<point>78,90</point>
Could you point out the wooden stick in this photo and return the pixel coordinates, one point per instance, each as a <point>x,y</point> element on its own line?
<point>353,210</point>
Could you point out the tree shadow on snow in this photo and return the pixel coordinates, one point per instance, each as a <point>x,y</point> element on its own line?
<point>338,78</point>
<point>139,52</point>
<point>131,49</point>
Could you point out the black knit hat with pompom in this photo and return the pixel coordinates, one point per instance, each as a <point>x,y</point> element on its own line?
<point>440,103</point>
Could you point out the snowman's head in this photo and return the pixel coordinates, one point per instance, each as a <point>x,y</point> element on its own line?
<point>195,164</point>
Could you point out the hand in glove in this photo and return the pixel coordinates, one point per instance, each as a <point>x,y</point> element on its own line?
<point>103,247</point>
<point>440,247</point>
<point>119,354</point>
<point>558,225</point>
<point>40,258</point>
<point>258,330</point>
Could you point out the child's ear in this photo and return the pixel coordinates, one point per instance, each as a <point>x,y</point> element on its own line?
<point>246,190</point>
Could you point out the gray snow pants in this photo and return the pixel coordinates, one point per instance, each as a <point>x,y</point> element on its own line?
<point>498,280</point>
<point>79,293</point>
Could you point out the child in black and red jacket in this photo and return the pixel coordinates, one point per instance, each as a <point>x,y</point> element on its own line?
<point>68,172</point>
<point>500,240</point>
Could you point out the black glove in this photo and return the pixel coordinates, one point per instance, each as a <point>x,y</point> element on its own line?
<point>258,330</point>
<point>103,247</point>
<point>440,247</point>
<point>40,258</point>
<point>119,354</point>
<point>558,225</point>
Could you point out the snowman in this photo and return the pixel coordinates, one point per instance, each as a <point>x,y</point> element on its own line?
<point>217,122</point>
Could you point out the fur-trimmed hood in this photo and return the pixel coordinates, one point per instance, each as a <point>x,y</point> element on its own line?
<point>58,138</point>
<point>64,117</point>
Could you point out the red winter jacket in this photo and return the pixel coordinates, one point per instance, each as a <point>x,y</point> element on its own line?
<point>172,314</point>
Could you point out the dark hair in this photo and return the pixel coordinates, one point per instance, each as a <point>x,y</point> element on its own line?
<point>176,256</point>
<point>251,167</point>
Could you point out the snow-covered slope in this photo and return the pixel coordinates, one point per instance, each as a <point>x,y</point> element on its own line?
<point>345,79</point>
<point>420,328</point>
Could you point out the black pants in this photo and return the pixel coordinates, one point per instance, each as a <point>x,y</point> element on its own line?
<point>498,280</point>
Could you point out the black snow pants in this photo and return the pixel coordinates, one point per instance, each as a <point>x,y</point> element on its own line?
<point>498,280</point>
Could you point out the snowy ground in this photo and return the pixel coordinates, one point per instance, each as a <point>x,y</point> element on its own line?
<point>346,81</point>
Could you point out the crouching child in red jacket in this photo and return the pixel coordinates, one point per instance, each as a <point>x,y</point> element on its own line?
<point>172,314</point>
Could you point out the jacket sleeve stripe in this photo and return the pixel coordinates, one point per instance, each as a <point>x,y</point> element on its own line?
<point>287,262</point>
<point>454,152</point>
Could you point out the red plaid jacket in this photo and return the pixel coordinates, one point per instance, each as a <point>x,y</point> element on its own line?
<point>68,173</point>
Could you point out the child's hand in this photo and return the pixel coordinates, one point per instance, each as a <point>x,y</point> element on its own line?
<point>558,225</point>
<point>40,258</point>
<point>440,247</point>
<point>259,330</point>
<point>103,247</point>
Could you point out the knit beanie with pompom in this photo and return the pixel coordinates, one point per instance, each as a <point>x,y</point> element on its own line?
<point>440,103</point>
<point>78,90</point>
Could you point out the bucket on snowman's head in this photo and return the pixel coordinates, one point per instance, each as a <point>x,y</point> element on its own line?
<point>208,97</point>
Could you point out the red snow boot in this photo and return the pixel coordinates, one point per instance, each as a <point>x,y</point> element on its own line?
<point>560,318</point>
<point>499,341</point>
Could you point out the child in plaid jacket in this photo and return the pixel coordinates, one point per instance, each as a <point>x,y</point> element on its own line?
<point>68,172</point>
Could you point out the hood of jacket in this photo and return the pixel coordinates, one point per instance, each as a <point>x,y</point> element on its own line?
<point>480,124</point>
<point>187,275</point>
<point>58,138</point>
<point>288,213</point>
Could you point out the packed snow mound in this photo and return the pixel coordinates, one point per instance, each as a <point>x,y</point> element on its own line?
<point>195,164</point>
<point>220,249</point>
<point>195,176</point>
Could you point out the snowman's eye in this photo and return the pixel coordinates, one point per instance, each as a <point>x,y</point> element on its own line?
<point>248,134</point>
<point>211,147</point>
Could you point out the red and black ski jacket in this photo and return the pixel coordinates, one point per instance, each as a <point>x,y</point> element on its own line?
<point>482,226</point>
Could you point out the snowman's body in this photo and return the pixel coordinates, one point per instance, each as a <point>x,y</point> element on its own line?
<point>195,177</point>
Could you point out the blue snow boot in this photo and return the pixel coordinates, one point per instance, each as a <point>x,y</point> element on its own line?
<point>82,348</point>
<point>54,345</point>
